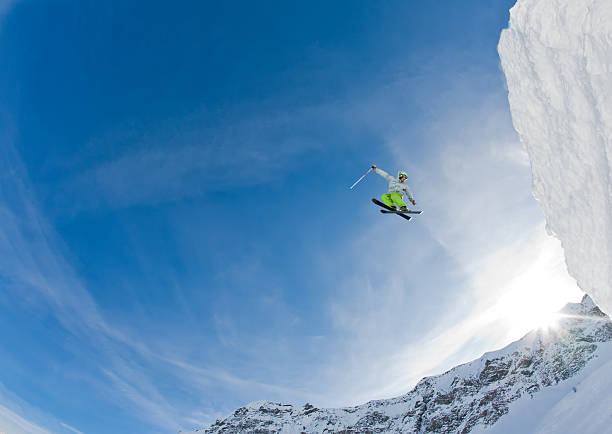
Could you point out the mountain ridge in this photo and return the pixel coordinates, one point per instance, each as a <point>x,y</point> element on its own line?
<point>477,393</point>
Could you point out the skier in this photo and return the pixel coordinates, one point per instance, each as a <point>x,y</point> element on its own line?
<point>394,197</point>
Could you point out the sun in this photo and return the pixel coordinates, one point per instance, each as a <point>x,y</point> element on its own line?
<point>523,319</point>
<point>522,314</point>
<point>532,286</point>
<point>547,320</point>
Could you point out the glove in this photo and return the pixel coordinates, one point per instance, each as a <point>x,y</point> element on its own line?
<point>374,166</point>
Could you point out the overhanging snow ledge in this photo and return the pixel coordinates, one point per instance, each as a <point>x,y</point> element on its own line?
<point>557,58</point>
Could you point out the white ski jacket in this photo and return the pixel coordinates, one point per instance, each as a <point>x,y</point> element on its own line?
<point>395,185</point>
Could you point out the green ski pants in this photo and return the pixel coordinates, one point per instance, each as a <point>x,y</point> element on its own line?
<point>393,199</point>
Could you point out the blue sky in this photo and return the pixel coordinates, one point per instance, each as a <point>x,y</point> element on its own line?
<point>177,236</point>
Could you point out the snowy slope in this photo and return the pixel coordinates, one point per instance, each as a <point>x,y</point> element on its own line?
<point>557,57</point>
<point>467,397</point>
<point>579,405</point>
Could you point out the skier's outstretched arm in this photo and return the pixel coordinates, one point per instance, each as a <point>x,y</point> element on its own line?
<point>409,193</point>
<point>383,173</point>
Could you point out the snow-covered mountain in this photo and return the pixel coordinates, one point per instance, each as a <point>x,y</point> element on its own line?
<point>472,395</point>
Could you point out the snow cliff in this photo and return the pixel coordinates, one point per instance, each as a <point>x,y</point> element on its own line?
<point>465,398</point>
<point>557,57</point>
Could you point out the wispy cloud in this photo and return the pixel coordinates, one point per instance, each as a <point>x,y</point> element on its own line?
<point>202,376</point>
<point>10,422</point>
<point>17,417</point>
<point>71,428</point>
<point>141,392</point>
<point>5,7</point>
<point>158,167</point>
<point>130,369</point>
<point>34,263</point>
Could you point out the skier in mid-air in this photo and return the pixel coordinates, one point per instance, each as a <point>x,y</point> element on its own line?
<point>397,187</point>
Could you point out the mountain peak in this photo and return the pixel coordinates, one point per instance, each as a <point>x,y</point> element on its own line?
<point>586,308</point>
<point>587,302</point>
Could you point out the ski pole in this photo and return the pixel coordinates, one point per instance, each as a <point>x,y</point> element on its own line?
<point>362,176</point>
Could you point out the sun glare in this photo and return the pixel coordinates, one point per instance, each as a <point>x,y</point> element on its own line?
<point>533,285</point>
<point>548,320</point>
<point>524,318</point>
<point>522,311</point>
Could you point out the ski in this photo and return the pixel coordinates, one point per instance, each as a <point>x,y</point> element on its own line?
<point>386,211</point>
<point>395,211</point>
<point>379,203</point>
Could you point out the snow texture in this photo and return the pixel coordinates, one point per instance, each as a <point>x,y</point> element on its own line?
<point>470,396</point>
<point>557,57</point>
